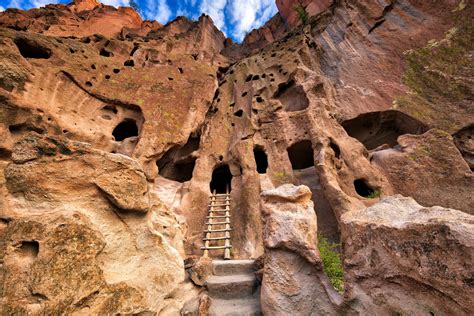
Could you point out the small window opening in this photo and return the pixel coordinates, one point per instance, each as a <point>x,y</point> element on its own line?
<point>301,155</point>
<point>126,129</point>
<point>364,190</point>
<point>129,63</point>
<point>104,52</point>
<point>260,159</point>
<point>336,149</point>
<point>29,249</point>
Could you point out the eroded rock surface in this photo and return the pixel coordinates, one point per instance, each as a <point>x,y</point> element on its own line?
<point>401,257</point>
<point>129,124</point>
<point>75,235</point>
<point>293,281</point>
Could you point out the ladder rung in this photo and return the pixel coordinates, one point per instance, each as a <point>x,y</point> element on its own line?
<point>218,211</point>
<point>217,230</point>
<point>219,216</point>
<point>218,223</point>
<point>214,205</point>
<point>216,238</point>
<point>215,247</point>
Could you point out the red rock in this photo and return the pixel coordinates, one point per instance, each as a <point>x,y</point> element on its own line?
<point>161,113</point>
<point>289,13</point>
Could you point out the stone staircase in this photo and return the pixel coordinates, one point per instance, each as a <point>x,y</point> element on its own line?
<point>233,288</point>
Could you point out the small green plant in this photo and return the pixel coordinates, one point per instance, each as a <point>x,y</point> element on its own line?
<point>332,263</point>
<point>374,194</point>
<point>302,14</point>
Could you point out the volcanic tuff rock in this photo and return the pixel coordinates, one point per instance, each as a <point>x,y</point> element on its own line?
<point>293,281</point>
<point>401,257</point>
<point>119,129</point>
<point>75,236</point>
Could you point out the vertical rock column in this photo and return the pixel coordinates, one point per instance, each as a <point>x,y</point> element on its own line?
<point>293,279</point>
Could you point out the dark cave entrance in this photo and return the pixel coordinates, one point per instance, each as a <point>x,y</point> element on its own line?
<point>221,179</point>
<point>31,49</point>
<point>378,128</point>
<point>29,248</point>
<point>364,190</point>
<point>180,171</point>
<point>178,163</point>
<point>126,129</point>
<point>301,155</point>
<point>260,159</point>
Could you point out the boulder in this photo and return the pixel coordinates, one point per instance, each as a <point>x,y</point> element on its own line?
<point>403,258</point>
<point>293,281</point>
<point>75,236</point>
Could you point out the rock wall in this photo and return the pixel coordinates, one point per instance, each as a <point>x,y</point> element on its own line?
<point>401,257</point>
<point>144,117</point>
<point>78,228</point>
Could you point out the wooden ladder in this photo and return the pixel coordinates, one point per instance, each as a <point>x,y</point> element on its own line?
<point>219,204</point>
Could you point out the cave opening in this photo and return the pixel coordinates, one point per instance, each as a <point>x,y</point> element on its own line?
<point>126,129</point>
<point>221,179</point>
<point>260,159</point>
<point>336,149</point>
<point>29,248</point>
<point>364,190</point>
<point>104,52</point>
<point>378,128</point>
<point>180,171</point>
<point>31,49</point>
<point>301,155</point>
<point>178,163</point>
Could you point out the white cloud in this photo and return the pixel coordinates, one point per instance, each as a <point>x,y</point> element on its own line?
<point>157,10</point>
<point>191,2</point>
<point>215,9</point>
<point>116,3</point>
<point>2,9</point>
<point>42,3</point>
<point>247,15</point>
<point>16,4</point>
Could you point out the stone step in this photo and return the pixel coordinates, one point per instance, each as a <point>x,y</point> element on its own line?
<point>230,267</point>
<point>236,307</point>
<point>231,286</point>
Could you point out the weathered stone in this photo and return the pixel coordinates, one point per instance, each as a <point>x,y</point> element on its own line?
<point>401,257</point>
<point>200,271</point>
<point>152,112</point>
<point>293,281</point>
<point>429,168</point>
<point>64,241</point>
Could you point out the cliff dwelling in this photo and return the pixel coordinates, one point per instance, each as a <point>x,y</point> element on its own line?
<point>250,158</point>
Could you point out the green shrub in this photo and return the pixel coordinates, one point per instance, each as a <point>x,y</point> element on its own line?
<point>332,263</point>
<point>302,14</point>
<point>374,194</point>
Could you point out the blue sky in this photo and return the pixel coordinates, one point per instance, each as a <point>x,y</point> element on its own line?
<point>234,17</point>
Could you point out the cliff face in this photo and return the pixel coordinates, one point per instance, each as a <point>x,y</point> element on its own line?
<point>115,136</point>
